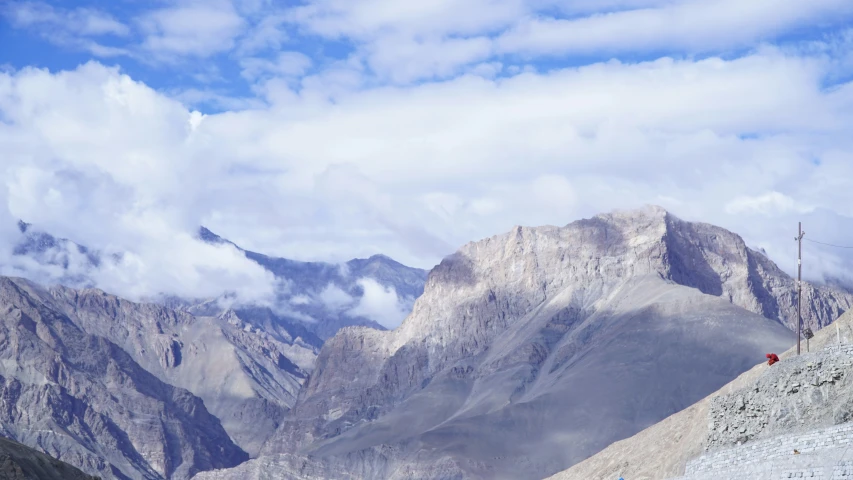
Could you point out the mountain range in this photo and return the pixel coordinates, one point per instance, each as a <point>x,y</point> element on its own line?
<point>527,353</point>
<point>532,350</point>
<point>304,305</point>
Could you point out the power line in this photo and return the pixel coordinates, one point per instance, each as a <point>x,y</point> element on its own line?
<point>827,244</point>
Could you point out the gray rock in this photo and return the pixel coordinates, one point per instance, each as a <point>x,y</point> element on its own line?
<point>248,376</point>
<point>794,396</point>
<point>18,462</point>
<point>84,400</point>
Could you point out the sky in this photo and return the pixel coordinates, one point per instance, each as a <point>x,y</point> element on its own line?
<point>333,129</point>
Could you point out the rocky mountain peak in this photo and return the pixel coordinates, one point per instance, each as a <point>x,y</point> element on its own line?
<point>598,254</point>
<point>510,320</point>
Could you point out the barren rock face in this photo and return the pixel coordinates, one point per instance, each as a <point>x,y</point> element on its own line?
<point>799,394</point>
<point>532,350</point>
<point>84,400</point>
<point>247,376</point>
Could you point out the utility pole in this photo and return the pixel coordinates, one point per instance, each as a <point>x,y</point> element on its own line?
<point>799,240</point>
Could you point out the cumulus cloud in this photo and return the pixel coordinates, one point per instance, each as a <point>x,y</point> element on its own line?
<point>191,28</point>
<point>333,297</point>
<point>337,169</point>
<point>381,304</point>
<point>126,200</point>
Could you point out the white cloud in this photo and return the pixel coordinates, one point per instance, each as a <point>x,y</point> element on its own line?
<point>334,170</point>
<point>380,304</point>
<point>771,203</point>
<point>79,21</point>
<point>300,300</point>
<point>128,198</point>
<point>286,64</point>
<point>404,60</point>
<point>689,26</point>
<point>334,298</point>
<point>191,28</point>
<point>268,33</point>
<point>365,19</point>
<point>70,28</point>
<point>409,41</point>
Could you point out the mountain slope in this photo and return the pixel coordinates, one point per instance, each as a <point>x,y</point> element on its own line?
<point>247,374</point>
<point>662,450</point>
<point>84,400</point>
<point>532,350</point>
<point>18,462</point>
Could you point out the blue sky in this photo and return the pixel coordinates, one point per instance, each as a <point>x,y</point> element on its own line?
<point>330,129</point>
<point>202,52</point>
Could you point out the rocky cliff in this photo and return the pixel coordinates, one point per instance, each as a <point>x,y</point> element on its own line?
<point>82,399</point>
<point>248,374</point>
<point>532,350</point>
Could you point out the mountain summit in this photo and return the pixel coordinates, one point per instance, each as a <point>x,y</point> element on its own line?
<point>532,350</point>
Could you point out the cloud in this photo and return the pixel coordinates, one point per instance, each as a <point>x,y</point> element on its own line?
<point>690,26</point>
<point>76,186</point>
<point>771,203</point>
<point>337,167</point>
<point>361,20</point>
<point>287,64</point>
<point>334,298</point>
<point>404,60</point>
<point>191,28</point>
<point>72,28</point>
<point>300,300</point>
<point>380,304</point>
<point>268,33</point>
<point>79,21</point>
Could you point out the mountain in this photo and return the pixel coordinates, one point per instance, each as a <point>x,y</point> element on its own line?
<point>73,262</point>
<point>18,462</point>
<point>83,399</point>
<point>311,282</point>
<point>247,372</point>
<point>321,297</point>
<point>530,351</point>
<point>138,390</point>
<point>798,394</point>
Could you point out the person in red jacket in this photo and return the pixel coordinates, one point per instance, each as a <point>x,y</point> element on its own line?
<point>772,358</point>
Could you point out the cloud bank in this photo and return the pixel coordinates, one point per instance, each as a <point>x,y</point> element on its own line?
<point>411,129</point>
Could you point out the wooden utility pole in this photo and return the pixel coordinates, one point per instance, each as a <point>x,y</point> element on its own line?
<point>799,240</point>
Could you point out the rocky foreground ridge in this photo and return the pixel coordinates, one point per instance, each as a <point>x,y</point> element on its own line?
<point>530,351</point>
<point>802,403</point>
<point>18,462</point>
